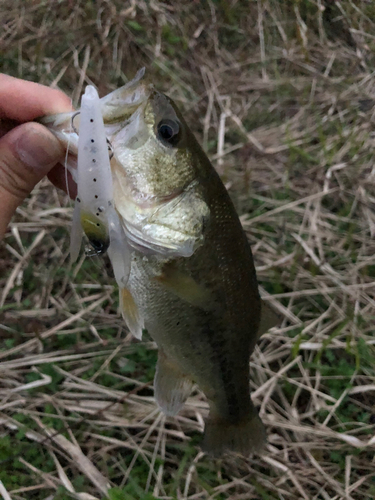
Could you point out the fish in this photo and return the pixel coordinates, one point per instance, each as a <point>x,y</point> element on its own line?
<point>187,274</point>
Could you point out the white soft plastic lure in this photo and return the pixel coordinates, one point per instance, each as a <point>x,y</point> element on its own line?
<point>94,211</point>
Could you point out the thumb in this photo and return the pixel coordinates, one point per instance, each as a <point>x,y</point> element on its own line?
<point>27,154</point>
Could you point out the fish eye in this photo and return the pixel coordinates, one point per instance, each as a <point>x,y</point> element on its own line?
<point>168,131</point>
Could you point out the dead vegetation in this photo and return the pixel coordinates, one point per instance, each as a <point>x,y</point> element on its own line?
<point>281,95</point>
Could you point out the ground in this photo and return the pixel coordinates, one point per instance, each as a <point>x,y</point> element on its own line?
<point>281,96</point>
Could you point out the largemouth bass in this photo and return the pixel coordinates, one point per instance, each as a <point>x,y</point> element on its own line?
<point>192,281</point>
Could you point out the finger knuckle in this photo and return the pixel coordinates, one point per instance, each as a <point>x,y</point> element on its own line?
<point>12,179</point>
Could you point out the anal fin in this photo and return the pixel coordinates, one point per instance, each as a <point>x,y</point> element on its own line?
<point>171,386</point>
<point>130,313</point>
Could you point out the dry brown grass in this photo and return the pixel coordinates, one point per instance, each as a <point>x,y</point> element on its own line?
<point>282,97</point>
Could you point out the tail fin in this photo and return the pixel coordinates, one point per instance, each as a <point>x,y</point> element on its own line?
<point>245,437</point>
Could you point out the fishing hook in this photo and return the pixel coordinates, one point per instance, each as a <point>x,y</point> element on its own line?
<point>72,122</point>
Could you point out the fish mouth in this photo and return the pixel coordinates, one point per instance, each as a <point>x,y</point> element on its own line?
<point>122,103</point>
<point>118,108</point>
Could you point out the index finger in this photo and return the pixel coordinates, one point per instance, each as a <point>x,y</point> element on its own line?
<point>23,101</point>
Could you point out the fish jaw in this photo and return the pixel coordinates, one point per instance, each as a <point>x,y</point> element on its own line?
<point>120,104</point>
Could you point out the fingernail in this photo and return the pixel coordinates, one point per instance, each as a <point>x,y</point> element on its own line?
<point>37,148</point>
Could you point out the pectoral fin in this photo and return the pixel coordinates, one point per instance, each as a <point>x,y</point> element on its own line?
<point>171,386</point>
<point>130,313</point>
<point>268,319</point>
<point>185,287</point>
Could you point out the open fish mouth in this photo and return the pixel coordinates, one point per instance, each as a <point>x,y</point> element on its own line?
<point>120,104</point>
<point>117,110</point>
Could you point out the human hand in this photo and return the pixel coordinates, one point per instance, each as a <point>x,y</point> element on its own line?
<point>28,151</point>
